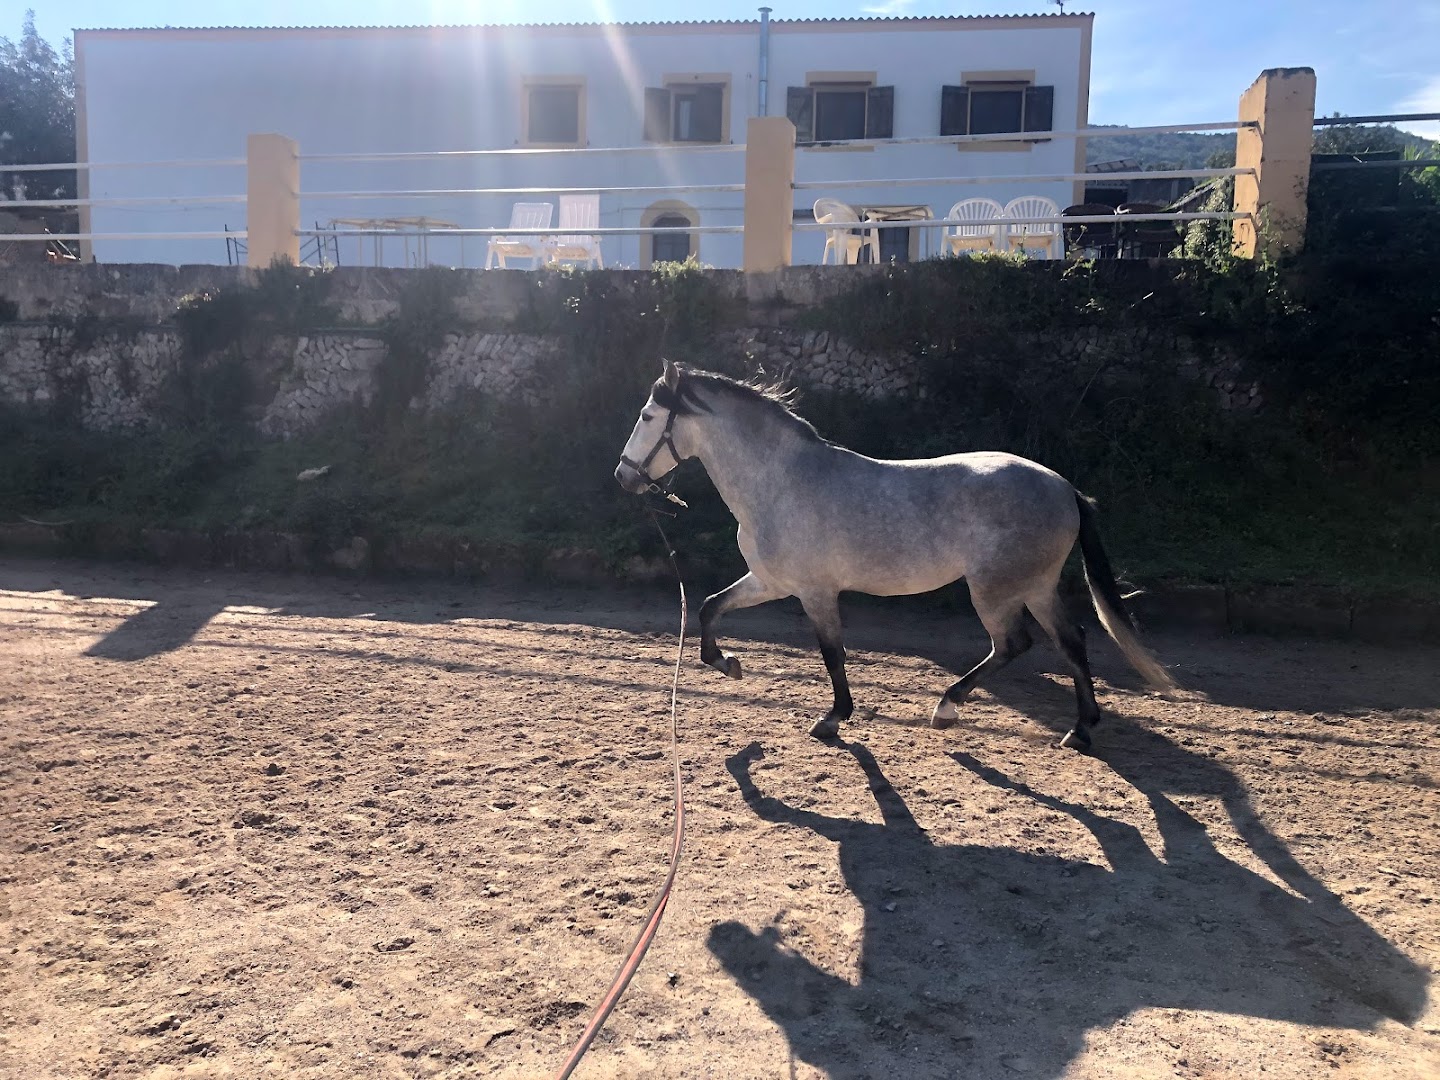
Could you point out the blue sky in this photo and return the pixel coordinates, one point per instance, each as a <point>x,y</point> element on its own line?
<point>1154,62</point>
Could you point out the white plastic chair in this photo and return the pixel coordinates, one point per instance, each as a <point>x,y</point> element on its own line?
<point>523,215</point>
<point>577,212</point>
<point>983,236</point>
<point>1045,237</point>
<point>843,242</point>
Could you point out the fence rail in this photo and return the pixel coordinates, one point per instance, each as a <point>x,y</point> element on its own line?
<point>452,193</point>
<point>526,151</point>
<point>1384,118</point>
<point>1032,136</point>
<point>91,166</point>
<point>93,236</point>
<point>1078,219</point>
<point>1413,163</point>
<point>607,230</point>
<point>275,192</point>
<point>1023,178</point>
<point>133,200</point>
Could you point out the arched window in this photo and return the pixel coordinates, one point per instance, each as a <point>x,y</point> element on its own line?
<point>668,247</point>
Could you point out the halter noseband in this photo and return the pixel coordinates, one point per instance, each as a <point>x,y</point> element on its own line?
<point>666,441</point>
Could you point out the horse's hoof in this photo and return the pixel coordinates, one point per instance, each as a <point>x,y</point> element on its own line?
<point>726,665</point>
<point>945,715</point>
<point>1076,740</point>
<point>825,728</point>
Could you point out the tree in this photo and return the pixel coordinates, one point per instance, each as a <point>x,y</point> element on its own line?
<point>37,114</point>
<point>1424,183</point>
<point>1361,139</point>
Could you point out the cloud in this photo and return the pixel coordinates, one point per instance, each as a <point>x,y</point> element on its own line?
<point>1425,99</point>
<point>891,8</point>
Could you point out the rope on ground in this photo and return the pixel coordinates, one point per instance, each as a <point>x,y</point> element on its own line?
<point>631,963</point>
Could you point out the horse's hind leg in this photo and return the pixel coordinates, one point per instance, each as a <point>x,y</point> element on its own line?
<point>747,592</point>
<point>824,613</point>
<point>1069,638</point>
<point>1004,618</point>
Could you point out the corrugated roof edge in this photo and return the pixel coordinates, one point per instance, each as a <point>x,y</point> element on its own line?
<point>918,19</point>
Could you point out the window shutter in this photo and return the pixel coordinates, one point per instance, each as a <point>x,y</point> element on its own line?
<point>1039,108</point>
<point>709,114</point>
<point>800,108</point>
<point>880,112</point>
<point>954,110</point>
<point>657,114</point>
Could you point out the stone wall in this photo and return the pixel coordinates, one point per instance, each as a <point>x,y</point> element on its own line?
<point>113,380</point>
<point>324,371</point>
<point>104,340</point>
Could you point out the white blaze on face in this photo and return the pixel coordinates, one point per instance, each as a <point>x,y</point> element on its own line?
<point>649,434</point>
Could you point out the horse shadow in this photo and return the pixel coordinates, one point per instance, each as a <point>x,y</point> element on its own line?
<point>1161,769</point>
<point>1243,670</point>
<point>980,961</point>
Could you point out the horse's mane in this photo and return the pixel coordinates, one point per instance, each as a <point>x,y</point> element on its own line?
<point>772,395</point>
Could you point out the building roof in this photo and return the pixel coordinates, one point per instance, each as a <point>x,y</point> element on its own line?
<point>891,20</point>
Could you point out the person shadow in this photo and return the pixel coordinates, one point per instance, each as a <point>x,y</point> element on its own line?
<point>162,627</point>
<point>980,961</point>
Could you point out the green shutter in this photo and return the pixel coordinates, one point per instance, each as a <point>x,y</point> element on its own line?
<point>1039,108</point>
<point>800,108</point>
<point>880,112</point>
<point>954,110</point>
<point>709,114</point>
<point>657,114</point>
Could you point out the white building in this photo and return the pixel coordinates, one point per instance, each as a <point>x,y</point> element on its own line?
<point>186,94</point>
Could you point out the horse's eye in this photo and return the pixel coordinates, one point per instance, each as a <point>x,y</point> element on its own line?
<point>646,417</point>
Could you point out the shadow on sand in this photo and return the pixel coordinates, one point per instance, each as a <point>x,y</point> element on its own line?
<point>1038,951</point>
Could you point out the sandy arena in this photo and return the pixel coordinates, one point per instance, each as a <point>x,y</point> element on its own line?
<point>264,826</point>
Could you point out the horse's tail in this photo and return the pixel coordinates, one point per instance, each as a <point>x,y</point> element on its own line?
<point>1109,604</point>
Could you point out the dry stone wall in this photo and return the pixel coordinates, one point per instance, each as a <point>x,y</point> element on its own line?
<point>820,358</point>
<point>104,341</point>
<point>326,371</point>
<point>112,381</point>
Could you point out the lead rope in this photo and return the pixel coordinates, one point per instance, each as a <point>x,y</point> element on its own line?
<point>631,963</point>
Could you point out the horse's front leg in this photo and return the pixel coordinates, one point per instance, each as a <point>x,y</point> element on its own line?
<point>747,592</point>
<point>824,613</point>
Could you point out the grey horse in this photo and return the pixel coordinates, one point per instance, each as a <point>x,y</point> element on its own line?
<point>817,520</point>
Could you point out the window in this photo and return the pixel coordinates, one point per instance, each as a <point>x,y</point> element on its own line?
<point>996,108</point>
<point>670,247</point>
<point>841,111</point>
<point>686,110</point>
<point>554,113</point>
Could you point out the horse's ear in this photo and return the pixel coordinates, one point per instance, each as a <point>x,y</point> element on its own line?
<point>672,375</point>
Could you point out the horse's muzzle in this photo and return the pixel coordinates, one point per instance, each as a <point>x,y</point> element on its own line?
<point>630,479</point>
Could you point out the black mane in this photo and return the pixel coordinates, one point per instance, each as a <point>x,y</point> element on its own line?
<point>773,397</point>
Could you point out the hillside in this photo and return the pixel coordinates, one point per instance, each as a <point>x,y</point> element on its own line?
<point>1181,150</point>
<point>1185,150</point>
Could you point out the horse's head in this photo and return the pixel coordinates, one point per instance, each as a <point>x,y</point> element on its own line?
<point>650,453</point>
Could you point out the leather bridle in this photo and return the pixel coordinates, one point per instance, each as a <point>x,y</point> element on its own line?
<point>667,442</point>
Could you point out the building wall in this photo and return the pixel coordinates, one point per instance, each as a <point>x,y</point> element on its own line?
<point>175,94</point>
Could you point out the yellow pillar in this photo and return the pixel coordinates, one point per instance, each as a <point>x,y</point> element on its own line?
<point>272,200</point>
<point>1281,104</point>
<point>769,192</point>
